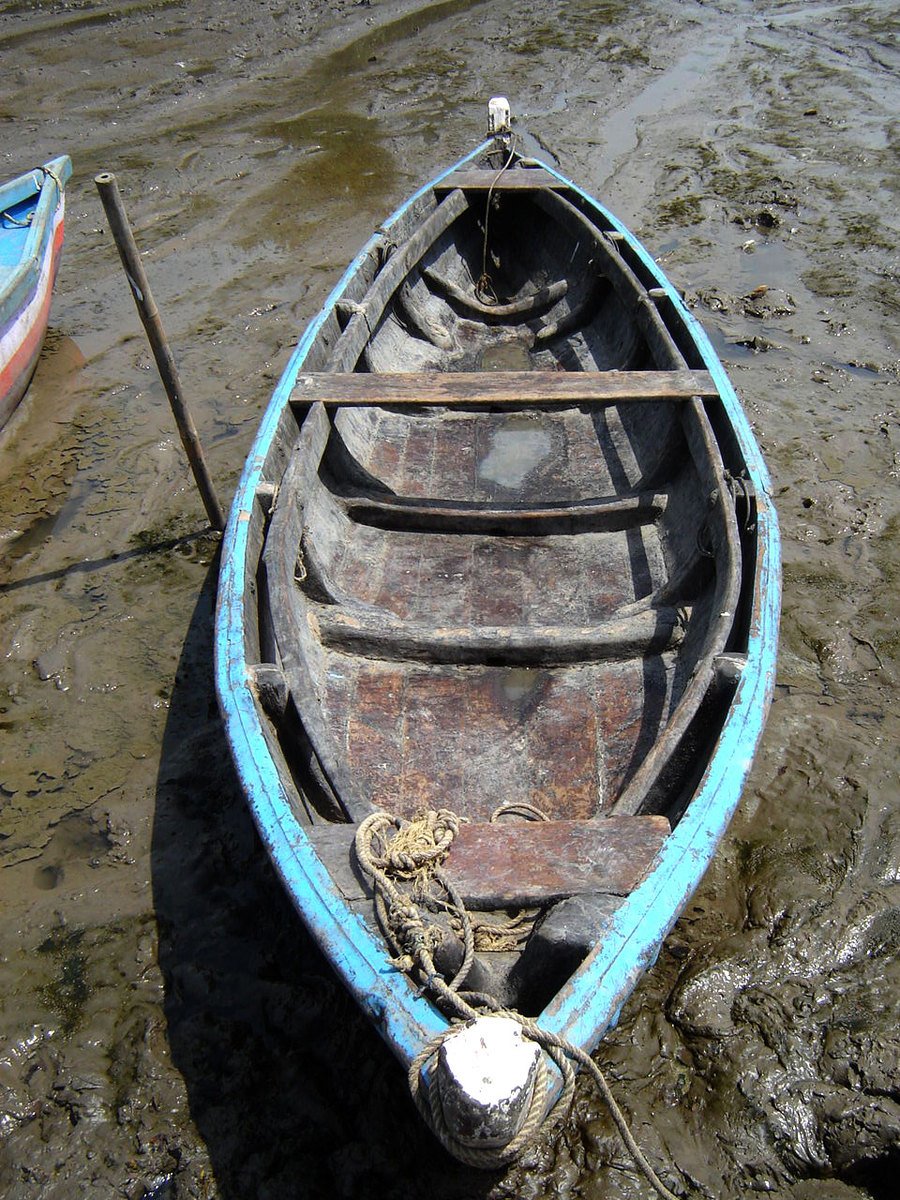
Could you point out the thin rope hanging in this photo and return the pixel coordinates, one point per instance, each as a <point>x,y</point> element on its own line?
<point>484,288</point>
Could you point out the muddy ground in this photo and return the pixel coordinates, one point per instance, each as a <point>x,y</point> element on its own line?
<point>166,1028</point>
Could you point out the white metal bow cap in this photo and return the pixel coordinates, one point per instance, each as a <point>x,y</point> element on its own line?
<point>498,115</point>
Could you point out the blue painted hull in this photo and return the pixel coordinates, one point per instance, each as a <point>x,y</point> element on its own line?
<point>589,1003</point>
<point>32,209</point>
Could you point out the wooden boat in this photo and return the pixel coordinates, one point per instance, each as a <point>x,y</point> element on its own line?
<point>32,210</point>
<point>504,545</point>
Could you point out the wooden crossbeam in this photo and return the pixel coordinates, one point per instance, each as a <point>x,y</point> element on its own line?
<point>442,516</point>
<point>362,629</point>
<point>472,179</point>
<point>523,862</point>
<point>491,388</point>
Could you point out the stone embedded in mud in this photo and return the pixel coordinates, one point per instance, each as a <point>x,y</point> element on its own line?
<point>766,302</point>
<point>716,300</point>
<point>759,345</point>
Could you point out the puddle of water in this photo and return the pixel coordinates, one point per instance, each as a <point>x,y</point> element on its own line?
<point>519,682</point>
<point>328,156</point>
<point>676,87</point>
<point>516,449</point>
<point>506,356</point>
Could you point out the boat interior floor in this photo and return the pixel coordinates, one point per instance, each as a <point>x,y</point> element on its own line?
<point>508,592</point>
<point>481,611</point>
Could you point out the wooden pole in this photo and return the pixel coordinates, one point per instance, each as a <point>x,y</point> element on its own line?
<point>149,314</point>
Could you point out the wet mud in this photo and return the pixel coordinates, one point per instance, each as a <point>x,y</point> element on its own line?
<point>166,1027</point>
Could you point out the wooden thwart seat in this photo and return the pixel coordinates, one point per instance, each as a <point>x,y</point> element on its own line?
<point>509,863</point>
<point>470,179</point>
<point>492,388</point>
<point>411,515</point>
<point>377,633</point>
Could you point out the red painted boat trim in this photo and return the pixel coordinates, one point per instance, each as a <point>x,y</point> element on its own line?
<point>21,344</point>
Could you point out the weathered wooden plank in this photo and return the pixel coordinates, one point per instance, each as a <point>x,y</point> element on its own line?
<point>508,863</point>
<point>394,512</point>
<point>519,388</point>
<point>532,861</point>
<point>613,266</point>
<point>374,633</point>
<point>525,179</point>
<point>287,604</point>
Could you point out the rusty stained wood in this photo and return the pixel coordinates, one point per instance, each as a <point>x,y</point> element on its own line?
<point>530,862</point>
<point>508,863</point>
<point>520,388</point>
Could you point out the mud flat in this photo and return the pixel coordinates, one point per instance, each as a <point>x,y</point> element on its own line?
<point>166,1028</point>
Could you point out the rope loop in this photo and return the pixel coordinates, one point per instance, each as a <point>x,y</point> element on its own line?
<point>413,855</point>
<point>519,808</point>
<point>415,846</point>
<point>49,173</point>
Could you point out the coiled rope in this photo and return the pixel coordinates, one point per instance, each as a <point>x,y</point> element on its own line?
<point>412,855</point>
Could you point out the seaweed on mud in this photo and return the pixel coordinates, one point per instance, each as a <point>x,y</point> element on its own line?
<point>867,233</point>
<point>67,993</point>
<point>681,210</point>
<point>832,280</point>
<point>572,26</point>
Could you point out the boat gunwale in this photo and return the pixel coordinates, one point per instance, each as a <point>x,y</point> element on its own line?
<point>690,847</point>
<point>405,1018</point>
<point>18,287</point>
<point>589,1003</point>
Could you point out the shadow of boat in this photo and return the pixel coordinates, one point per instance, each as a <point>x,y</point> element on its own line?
<point>290,1089</point>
